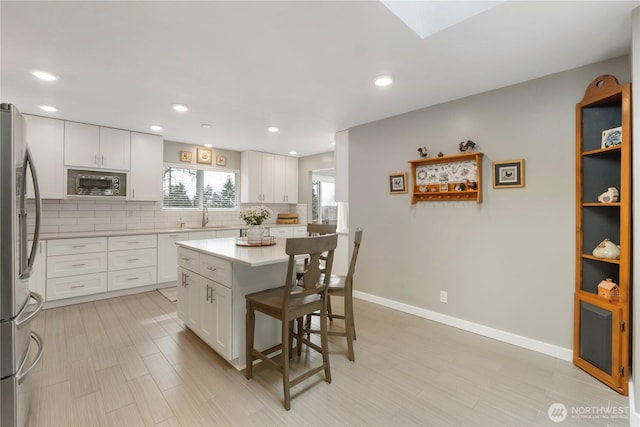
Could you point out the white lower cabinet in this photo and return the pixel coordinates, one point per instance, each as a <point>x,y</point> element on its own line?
<point>132,268</point>
<point>76,267</point>
<point>167,254</point>
<point>203,303</point>
<point>131,278</point>
<point>74,286</point>
<point>298,231</point>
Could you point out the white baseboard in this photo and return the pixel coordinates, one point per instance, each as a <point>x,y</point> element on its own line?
<point>634,415</point>
<point>497,334</point>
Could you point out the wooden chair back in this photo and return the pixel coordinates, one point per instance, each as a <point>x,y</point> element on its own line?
<point>314,229</point>
<point>313,248</point>
<point>348,283</point>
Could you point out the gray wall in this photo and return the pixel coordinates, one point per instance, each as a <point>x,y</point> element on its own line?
<point>507,263</point>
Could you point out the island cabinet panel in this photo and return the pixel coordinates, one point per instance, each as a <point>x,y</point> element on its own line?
<point>213,278</point>
<point>203,303</point>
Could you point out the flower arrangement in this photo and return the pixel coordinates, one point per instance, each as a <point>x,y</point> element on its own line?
<point>256,215</point>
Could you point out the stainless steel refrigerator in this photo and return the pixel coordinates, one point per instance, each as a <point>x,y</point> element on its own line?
<point>20,347</point>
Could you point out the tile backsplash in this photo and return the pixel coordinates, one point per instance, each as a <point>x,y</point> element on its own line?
<point>71,216</point>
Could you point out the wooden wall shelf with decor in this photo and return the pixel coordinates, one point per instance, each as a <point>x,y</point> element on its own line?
<point>603,168</point>
<point>453,178</point>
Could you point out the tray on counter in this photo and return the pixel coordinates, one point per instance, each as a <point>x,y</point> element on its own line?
<point>266,241</point>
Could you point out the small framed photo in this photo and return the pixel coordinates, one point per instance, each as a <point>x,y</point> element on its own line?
<point>204,155</point>
<point>221,161</point>
<point>508,174</point>
<point>186,156</point>
<point>611,137</point>
<point>397,183</point>
<point>444,187</point>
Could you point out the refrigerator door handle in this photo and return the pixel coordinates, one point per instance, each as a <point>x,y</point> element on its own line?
<point>36,296</point>
<point>23,373</point>
<point>26,264</point>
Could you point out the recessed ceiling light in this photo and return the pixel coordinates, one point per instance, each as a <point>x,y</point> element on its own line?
<point>206,125</point>
<point>383,81</point>
<point>293,153</point>
<point>43,75</point>
<point>155,127</point>
<point>180,107</point>
<point>208,145</point>
<point>273,129</point>
<point>48,108</point>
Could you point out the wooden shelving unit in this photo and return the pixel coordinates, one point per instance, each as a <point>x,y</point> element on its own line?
<point>601,326</point>
<point>449,178</point>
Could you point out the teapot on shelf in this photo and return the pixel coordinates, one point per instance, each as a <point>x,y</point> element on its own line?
<point>607,250</point>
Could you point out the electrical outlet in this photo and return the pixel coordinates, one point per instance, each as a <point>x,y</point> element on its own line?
<point>444,295</point>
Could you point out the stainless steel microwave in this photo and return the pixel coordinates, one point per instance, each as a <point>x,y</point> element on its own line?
<point>96,183</point>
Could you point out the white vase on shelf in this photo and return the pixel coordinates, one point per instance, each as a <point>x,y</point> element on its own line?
<point>255,233</point>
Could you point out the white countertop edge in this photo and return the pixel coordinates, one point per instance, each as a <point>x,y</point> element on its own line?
<point>226,248</point>
<point>109,233</point>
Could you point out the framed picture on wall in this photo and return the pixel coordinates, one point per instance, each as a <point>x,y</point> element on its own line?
<point>204,155</point>
<point>186,156</point>
<point>508,174</point>
<point>221,161</point>
<point>397,183</point>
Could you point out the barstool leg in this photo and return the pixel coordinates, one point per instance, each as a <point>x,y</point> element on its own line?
<point>250,327</point>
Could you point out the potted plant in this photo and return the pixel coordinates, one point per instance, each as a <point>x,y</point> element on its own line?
<point>254,217</point>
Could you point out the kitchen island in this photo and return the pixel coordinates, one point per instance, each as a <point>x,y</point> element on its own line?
<point>214,275</point>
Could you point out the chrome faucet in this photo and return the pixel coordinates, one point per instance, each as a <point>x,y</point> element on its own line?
<point>205,220</point>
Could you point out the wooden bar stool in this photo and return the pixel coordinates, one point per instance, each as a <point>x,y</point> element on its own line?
<point>294,300</point>
<point>342,286</point>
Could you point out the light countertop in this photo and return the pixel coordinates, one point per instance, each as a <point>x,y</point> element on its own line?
<point>81,234</point>
<point>226,248</point>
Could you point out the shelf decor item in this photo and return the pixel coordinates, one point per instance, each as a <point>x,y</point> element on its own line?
<point>508,174</point>
<point>221,160</point>
<point>435,179</point>
<point>204,155</point>
<point>608,290</point>
<point>601,337</point>
<point>609,196</point>
<point>607,250</point>
<point>397,183</point>
<point>611,137</point>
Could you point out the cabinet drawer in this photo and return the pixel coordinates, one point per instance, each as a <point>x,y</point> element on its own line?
<point>71,265</point>
<point>118,243</point>
<point>281,231</point>
<point>76,246</point>
<point>134,258</point>
<point>132,278</point>
<point>188,259</point>
<point>75,286</point>
<point>216,269</point>
<point>300,231</point>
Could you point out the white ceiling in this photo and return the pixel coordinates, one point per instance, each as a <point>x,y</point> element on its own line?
<point>306,67</point>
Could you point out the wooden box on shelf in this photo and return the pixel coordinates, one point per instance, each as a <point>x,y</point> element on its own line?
<point>448,178</point>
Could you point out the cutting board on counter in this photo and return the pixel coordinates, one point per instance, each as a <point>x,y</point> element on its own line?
<point>287,218</point>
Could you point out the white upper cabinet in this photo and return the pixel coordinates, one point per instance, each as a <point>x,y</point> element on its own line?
<point>285,179</point>
<point>256,177</point>
<point>146,167</point>
<point>268,178</point>
<point>45,138</point>
<point>91,146</point>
